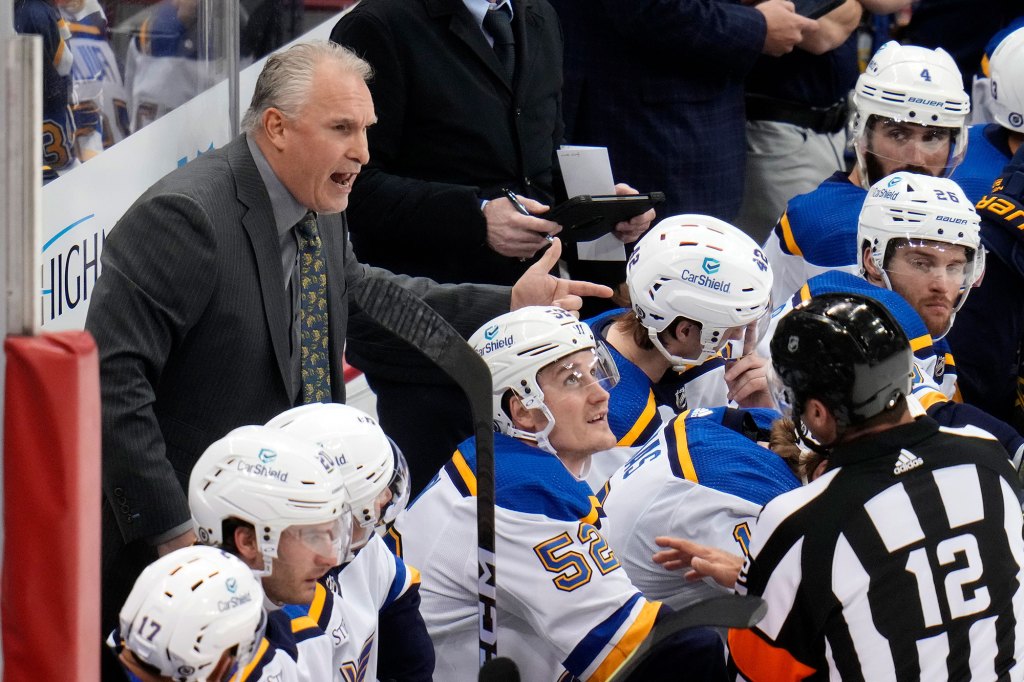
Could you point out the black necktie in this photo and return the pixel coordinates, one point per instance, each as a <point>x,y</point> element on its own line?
<point>498,24</point>
<point>314,341</point>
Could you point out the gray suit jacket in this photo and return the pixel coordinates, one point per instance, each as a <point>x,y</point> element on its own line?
<point>192,322</point>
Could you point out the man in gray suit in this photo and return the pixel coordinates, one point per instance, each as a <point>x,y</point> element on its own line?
<point>197,312</point>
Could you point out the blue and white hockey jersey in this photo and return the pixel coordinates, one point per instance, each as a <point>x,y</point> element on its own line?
<point>988,152</point>
<point>818,232</point>
<point>638,406</point>
<point>101,109</point>
<point>697,479</point>
<point>344,615</point>
<point>42,18</point>
<point>564,604</point>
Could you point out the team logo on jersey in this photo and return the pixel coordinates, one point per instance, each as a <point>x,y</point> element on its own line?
<point>266,456</point>
<point>681,399</point>
<point>906,462</point>
<point>940,368</point>
<point>710,265</point>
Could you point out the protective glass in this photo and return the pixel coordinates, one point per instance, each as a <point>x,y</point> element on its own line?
<point>577,373</point>
<point>741,341</point>
<point>907,145</point>
<point>925,260</point>
<point>331,539</point>
<point>398,491</point>
<point>780,393</point>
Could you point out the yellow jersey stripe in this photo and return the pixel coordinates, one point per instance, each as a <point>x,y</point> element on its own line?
<point>805,293</point>
<point>920,342</point>
<point>592,516</point>
<point>468,477</point>
<point>414,575</point>
<point>650,409</point>
<point>931,398</point>
<point>628,643</point>
<point>316,607</point>
<point>787,236</point>
<point>303,623</point>
<point>83,28</point>
<point>950,362</point>
<point>683,451</point>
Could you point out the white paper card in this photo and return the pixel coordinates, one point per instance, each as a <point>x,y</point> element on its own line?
<point>587,170</point>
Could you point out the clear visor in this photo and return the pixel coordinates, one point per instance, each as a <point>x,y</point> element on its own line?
<point>394,499</point>
<point>781,395</point>
<point>579,372</point>
<point>902,145</point>
<point>330,540</point>
<point>958,267</point>
<point>740,341</point>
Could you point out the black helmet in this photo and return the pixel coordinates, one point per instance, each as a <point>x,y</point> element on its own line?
<point>846,350</point>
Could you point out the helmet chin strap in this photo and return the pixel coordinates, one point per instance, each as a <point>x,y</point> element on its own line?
<point>823,449</point>
<point>678,363</point>
<point>539,437</point>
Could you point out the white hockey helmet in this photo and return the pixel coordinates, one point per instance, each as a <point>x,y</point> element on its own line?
<point>911,84</point>
<point>1007,81</point>
<point>190,606</point>
<point>272,480</point>
<point>705,270</point>
<point>370,462</point>
<point>517,345</point>
<point>914,208</point>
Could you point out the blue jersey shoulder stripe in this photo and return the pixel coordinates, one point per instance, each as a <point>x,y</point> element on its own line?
<point>397,584</point>
<point>530,480</point>
<point>595,641</point>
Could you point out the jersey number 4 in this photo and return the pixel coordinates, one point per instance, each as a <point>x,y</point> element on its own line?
<point>572,567</point>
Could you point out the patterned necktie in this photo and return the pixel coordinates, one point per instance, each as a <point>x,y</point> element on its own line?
<point>498,24</point>
<point>314,340</point>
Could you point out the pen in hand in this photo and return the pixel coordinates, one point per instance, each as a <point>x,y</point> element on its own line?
<point>518,205</point>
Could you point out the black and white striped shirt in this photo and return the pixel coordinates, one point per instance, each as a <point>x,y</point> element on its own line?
<point>904,561</point>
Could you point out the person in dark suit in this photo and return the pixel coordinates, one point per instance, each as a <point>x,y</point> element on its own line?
<point>457,126</point>
<point>661,85</point>
<point>197,314</point>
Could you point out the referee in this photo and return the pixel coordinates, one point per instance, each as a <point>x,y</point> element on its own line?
<point>904,559</point>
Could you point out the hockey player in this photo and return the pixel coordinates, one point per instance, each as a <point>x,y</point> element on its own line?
<point>992,144</point>
<point>279,503</point>
<point>101,104</point>
<point>377,594</point>
<point>696,284</point>
<point>41,17</point>
<point>909,114</point>
<point>991,369</point>
<point>194,614</point>
<point>565,607</point>
<point>920,239</point>
<point>904,560</point>
<point>703,476</point>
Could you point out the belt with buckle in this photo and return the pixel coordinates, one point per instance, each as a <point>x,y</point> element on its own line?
<point>819,119</point>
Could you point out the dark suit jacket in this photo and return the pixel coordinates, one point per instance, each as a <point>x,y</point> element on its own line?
<point>660,83</point>
<point>192,322</point>
<point>451,130</point>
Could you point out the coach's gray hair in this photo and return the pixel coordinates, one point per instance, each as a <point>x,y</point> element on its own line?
<point>286,81</point>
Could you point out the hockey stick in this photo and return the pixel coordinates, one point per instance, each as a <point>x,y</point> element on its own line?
<point>725,611</point>
<point>409,318</point>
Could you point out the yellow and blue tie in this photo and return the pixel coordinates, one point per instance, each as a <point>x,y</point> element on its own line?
<point>314,340</point>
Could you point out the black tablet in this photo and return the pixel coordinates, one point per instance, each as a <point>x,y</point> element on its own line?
<point>585,217</point>
<point>813,9</point>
